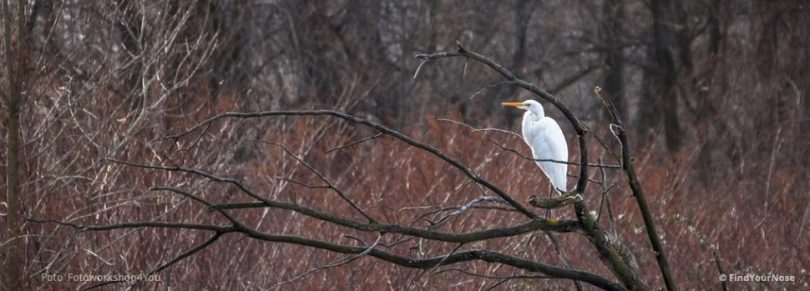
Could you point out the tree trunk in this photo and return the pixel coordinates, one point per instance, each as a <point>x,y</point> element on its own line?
<point>667,63</point>
<point>16,68</point>
<point>613,76</point>
<point>15,247</point>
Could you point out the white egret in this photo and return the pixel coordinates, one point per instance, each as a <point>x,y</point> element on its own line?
<point>546,139</point>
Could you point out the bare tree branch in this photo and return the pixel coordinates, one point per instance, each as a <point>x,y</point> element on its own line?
<point>428,263</point>
<point>638,193</point>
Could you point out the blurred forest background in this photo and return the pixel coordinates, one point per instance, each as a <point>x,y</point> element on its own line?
<point>714,94</point>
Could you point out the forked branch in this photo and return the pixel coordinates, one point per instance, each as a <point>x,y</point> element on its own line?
<point>635,186</point>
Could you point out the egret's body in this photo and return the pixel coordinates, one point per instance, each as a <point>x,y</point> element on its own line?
<point>545,137</point>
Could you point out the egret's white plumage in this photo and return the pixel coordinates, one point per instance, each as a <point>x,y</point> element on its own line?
<point>546,139</point>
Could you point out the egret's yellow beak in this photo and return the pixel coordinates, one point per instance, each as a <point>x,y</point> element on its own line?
<point>512,104</point>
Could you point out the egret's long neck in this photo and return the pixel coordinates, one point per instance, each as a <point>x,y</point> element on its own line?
<point>530,116</point>
<point>528,119</point>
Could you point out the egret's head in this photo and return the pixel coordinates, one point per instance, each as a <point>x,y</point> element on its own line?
<point>528,105</point>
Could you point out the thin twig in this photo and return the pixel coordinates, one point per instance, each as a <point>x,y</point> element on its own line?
<point>464,207</point>
<point>720,269</point>
<point>355,142</point>
<point>490,86</point>
<point>323,178</point>
<point>473,129</point>
<point>331,265</point>
<point>599,165</point>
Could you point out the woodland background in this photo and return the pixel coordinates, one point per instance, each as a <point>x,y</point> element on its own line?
<point>714,94</point>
